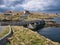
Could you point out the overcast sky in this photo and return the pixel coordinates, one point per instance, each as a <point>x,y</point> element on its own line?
<point>32,5</point>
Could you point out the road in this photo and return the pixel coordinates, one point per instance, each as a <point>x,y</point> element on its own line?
<point>20,23</point>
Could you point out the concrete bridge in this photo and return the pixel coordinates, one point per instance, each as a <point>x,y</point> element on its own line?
<point>33,24</point>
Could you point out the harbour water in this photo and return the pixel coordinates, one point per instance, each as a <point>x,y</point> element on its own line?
<point>52,33</point>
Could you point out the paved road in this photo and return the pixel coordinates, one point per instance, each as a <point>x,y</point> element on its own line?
<point>20,23</point>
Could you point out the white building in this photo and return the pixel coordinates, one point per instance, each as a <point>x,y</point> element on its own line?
<point>25,14</point>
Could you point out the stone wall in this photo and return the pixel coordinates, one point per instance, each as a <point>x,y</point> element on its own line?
<point>4,39</point>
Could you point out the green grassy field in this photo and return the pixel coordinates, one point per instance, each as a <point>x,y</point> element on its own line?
<point>6,30</point>
<point>31,16</point>
<point>25,36</point>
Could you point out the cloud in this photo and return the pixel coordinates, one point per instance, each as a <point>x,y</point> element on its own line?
<point>1,6</point>
<point>41,4</point>
<point>32,5</point>
<point>12,2</point>
<point>1,2</point>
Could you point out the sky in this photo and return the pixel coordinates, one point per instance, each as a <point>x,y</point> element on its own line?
<point>31,5</point>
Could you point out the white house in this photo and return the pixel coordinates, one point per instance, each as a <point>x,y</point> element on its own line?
<point>25,14</point>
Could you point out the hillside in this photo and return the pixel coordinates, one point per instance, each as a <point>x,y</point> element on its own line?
<point>33,15</point>
<point>25,36</point>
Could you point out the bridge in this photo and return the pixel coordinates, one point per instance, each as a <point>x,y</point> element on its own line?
<point>33,24</point>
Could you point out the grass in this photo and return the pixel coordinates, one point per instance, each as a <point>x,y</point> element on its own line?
<point>7,44</point>
<point>25,36</point>
<point>6,30</point>
<point>34,15</point>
